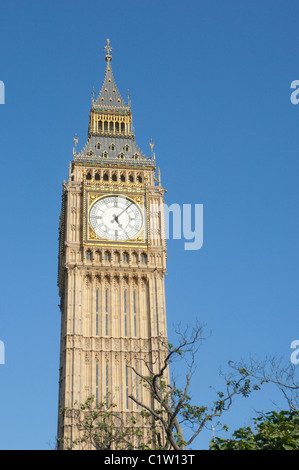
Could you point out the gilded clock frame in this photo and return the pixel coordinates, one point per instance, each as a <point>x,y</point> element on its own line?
<point>92,194</point>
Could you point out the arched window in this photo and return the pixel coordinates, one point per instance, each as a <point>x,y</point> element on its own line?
<point>143,258</point>
<point>123,178</point>
<point>111,126</point>
<point>88,176</point>
<point>114,177</point>
<point>97,177</point>
<point>98,146</point>
<point>105,177</point>
<point>107,256</point>
<point>125,257</point>
<point>131,179</point>
<point>88,255</point>
<point>106,126</point>
<point>139,179</point>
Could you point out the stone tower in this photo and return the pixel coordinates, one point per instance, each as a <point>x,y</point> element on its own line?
<point>112,261</point>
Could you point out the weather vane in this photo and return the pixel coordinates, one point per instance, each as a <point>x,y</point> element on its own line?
<point>108,48</point>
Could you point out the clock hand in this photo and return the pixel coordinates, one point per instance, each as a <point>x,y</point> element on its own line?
<point>116,217</point>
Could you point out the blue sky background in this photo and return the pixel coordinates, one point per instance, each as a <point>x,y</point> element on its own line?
<point>210,84</point>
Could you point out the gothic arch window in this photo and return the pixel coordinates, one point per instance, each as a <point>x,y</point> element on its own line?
<point>139,179</point>
<point>143,258</point>
<point>121,155</point>
<point>99,125</point>
<point>114,177</point>
<point>98,145</point>
<point>127,148</point>
<point>97,177</point>
<point>112,146</point>
<point>106,126</point>
<point>90,153</point>
<point>131,179</point>
<point>105,177</point>
<point>105,154</point>
<point>122,127</point>
<point>107,256</point>
<point>125,257</point>
<point>88,255</point>
<point>117,126</point>
<point>111,126</point>
<point>135,156</point>
<point>123,178</point>
<point>88,176</point>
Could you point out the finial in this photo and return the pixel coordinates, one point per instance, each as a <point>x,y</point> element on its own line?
<point>75,140</point>
<point>151,144</point>
<point>108,48</point>
<point>93,93</point>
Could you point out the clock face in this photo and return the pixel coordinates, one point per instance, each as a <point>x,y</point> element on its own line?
<point>115,218</point>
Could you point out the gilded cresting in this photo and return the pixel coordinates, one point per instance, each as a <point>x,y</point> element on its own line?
<point>111,287</point>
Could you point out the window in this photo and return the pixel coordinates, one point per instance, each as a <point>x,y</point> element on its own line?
<point>88,176</point>
<point>107,383</point>
<point>106,312</point>
<point>131,179</point>
<point>97,384</point>
<point>143,258</point>
<point>107,256</point>
<point>105,177</point>
<point>123,178</point>
<point>134,312</point>
<point>127,387</point>
<point>127,148</point>
<point>88,255</point>
<point>125,311</point>
<point>97,177</point>
<point>125,257</point>
<point>139,179</point>
<point>114,177</point>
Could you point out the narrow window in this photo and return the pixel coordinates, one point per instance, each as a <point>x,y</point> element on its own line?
<point>88,176</point>
<point>125,311</point>
<point>136,385</point>
<point>127,387</point>
<point>97,309</point>
<point>107,256</point>
<point>143,258</point>
<point>88,255</point>
<point>125,258</point>
<point>107,383</point>
<point>106,312</point>
<point>97,384</point>
<point>134,312</point>
<point>105,177</point>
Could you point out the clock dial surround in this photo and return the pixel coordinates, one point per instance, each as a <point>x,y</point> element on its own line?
<point>115,218</point>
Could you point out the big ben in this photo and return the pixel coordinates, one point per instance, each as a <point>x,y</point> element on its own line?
<point>112,261</point>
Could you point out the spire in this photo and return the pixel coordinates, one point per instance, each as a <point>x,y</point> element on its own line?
<point>109,97</point>
<point>111,137</point>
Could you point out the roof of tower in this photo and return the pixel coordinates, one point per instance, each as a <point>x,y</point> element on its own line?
<point>110,97</point>
<point>104,146</point>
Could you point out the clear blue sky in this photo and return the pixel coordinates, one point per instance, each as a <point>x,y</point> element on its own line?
<point>210,84</point>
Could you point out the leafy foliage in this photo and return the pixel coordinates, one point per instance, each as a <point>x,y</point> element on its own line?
<point>272,431</point>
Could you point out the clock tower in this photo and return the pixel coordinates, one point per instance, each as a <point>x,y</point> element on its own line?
<point>112,262</point>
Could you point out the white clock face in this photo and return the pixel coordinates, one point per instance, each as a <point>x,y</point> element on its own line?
<point>115,218</point>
